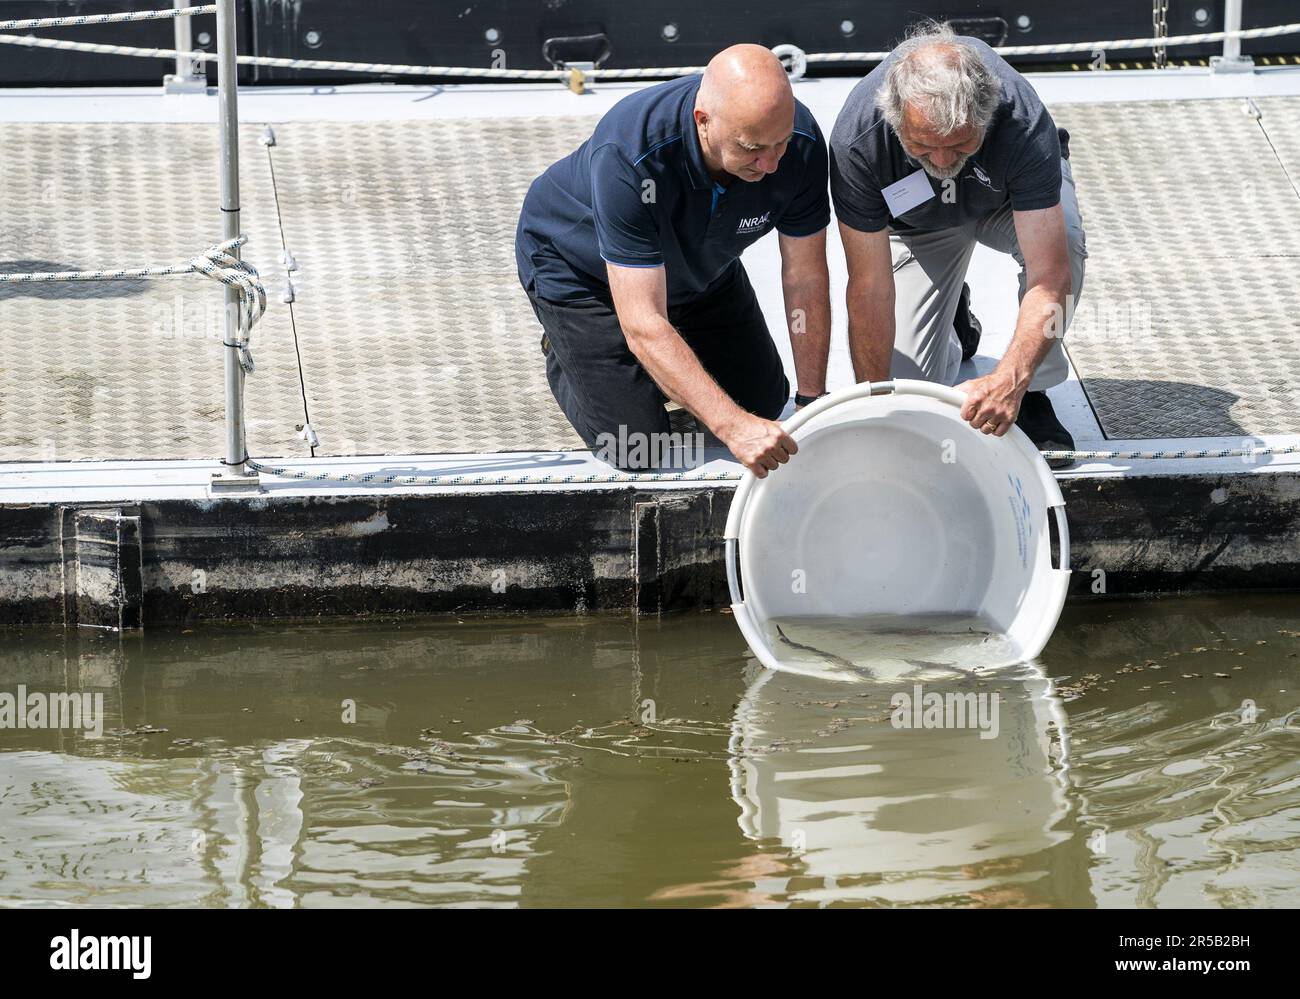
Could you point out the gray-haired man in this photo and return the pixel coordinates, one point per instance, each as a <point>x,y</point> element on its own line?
<point>940,147</point>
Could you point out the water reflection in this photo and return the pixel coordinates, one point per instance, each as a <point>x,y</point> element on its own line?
<point>1149,758</point>
<point>889,815</point>
<point>241,817</point>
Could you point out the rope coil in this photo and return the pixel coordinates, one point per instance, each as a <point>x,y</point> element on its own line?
<point>217,262</point>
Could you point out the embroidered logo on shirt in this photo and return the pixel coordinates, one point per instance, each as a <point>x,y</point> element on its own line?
<point>754,223</point>
<point>983,178</point>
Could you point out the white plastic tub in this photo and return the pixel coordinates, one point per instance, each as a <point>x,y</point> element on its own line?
<point>899,538</point>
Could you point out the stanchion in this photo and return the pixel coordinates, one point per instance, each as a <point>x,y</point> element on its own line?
<point>236,477</point>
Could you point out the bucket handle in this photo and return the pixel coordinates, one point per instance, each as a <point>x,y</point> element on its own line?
<point>1062,536</point>
<point>733,572</point>
<point>754,637</point>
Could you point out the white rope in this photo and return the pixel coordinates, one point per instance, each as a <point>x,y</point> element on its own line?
<point>1065,47</point>
<point>198,55</point>
<point>72,22</point>
<point>476,72</point>
<point>1227,452</point>
<point>489,479</point>
<point>217,262</point>
<point>533,478</point>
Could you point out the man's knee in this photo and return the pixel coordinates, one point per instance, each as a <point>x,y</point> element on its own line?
<point>630,437</point>
<point>767,400</point>
<point>926,347</point>
<point>927,366</point>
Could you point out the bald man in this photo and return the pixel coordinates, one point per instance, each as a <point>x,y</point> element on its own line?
<point>629,249</point>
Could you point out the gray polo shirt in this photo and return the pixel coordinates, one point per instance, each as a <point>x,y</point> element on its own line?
<point>1019,160</point>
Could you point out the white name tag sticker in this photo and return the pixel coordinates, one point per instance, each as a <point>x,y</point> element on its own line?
<point>907,193</point>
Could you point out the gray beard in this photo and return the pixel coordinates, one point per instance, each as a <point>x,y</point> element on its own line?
<point>937,173</point>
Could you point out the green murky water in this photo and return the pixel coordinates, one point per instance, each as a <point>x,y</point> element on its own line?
<point>1151,757</point>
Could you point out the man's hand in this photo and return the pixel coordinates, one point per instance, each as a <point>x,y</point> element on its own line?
<point>758,444</point>
<point>993,401</point>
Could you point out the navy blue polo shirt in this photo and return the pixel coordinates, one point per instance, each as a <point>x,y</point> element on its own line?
<point>637,193</point>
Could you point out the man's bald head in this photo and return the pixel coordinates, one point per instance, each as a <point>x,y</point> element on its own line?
<point>745,83</point>
<point>744,111</point>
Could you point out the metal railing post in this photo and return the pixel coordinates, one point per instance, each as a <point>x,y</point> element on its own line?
<point>235,474</point>
<point>186,80</point>
<point>1232,22</point>
<point>1232,61</point>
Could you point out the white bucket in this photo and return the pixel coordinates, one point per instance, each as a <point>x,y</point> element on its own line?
<point>898,539</point>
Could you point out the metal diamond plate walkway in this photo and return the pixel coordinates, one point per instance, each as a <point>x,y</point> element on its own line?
<point>408,333</point>
<point>131,369</point>
<point>416,336</point>
<point>1189,325</point>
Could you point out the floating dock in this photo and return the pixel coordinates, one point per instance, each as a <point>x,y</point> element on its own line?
<point>397,342</point>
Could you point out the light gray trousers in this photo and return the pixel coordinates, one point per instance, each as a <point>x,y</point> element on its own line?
<point>929,268</point>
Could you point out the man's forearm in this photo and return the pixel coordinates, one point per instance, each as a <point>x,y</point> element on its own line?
<point>871,330</point>
<point>808,315</point>
<point>670,361</point>
<point>1040,323</point>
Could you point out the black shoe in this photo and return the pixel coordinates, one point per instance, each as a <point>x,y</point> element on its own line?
<point>1038,420</point>
<point>967,326</point>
